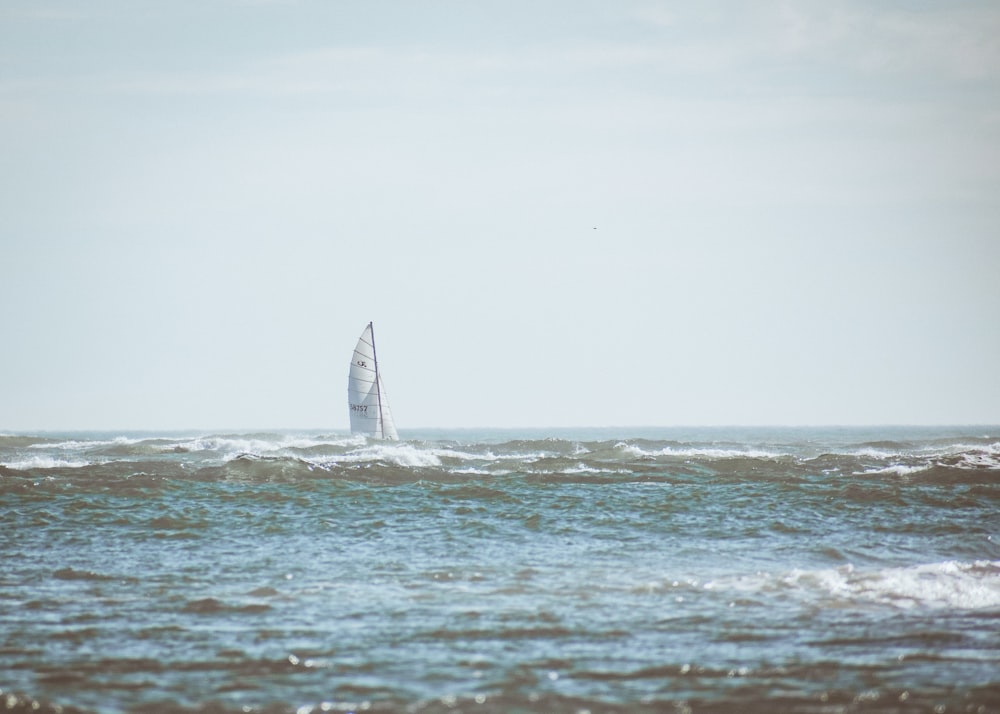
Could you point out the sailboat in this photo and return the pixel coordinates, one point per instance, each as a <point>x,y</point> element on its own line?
<point>366,397</point>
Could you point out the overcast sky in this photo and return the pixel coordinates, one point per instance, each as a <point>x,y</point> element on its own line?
<point>558,213</point>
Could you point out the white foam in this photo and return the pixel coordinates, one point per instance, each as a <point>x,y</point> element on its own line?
<point>408,455</point>
<point>404,453</point>
<point>465,455</point>
<point>432,455</point>
<point>961,456</point>
<point>581,469</point>
<point>45,462</point>
<point>895,470</point>
<point>399,453</point>
<point>227,444</point>
<point>952,585</point>
<point>73,444</point>
<point>698,452</point>
<point>985,457</point>
<point>230,447</point>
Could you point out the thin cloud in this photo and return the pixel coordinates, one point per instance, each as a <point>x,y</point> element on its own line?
<point>947,41</point>
<point>962,43</point>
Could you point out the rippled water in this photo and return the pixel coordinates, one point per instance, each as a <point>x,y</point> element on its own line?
<point>585,570</point>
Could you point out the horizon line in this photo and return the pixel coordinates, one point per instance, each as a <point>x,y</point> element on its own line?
<point>346,430</point>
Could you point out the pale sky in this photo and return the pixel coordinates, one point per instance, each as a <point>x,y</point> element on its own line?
<point>557,213</point>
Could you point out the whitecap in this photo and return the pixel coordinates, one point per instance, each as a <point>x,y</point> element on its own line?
<point>45,462</point>
<point>895,470</point>
<point>950,585</point>
<point>74,444</point>
<point>694,452</point>
<point>398,453</point>
<point>229,447</point>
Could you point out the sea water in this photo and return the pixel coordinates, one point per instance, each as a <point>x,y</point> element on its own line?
<point>588,570</point>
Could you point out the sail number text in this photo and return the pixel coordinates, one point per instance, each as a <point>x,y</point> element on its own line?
<point>360,408</point>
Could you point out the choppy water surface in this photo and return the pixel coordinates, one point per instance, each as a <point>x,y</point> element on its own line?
<point>588,570</point>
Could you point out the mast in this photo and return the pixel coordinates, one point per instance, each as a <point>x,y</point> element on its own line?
<point>378,386</point>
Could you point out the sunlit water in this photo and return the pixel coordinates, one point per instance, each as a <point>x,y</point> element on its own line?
<point>568,571</point>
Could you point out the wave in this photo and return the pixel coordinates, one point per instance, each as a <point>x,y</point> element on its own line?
<point>948,585</point>
<point>43,462</point>
<point>959,459</point>
<point>535,687</point>
<point>705,452</point>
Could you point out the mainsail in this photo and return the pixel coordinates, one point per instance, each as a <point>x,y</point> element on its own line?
<point>366,397</point>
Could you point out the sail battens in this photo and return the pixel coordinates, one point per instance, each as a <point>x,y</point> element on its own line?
<point>366,398</point>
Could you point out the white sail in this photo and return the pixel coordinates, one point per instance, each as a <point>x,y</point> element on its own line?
<point>366,398</point>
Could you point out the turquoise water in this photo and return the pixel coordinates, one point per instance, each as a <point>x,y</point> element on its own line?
<point>494,571</point>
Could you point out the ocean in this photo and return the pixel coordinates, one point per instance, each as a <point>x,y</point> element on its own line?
<point>576,570</point>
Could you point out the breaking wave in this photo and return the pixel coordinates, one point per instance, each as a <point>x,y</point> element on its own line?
<point>950,585</point>
<point>662,570</point>
<point>264,456</point>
